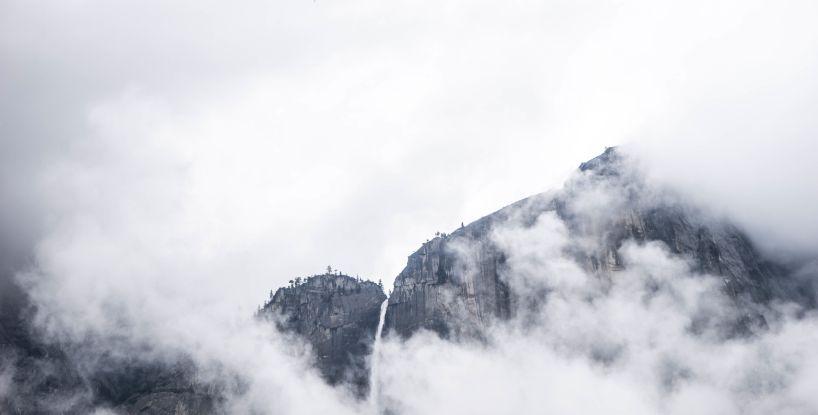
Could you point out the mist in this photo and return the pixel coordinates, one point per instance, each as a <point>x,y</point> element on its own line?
<point>164,166</point>
<point>654,338</point>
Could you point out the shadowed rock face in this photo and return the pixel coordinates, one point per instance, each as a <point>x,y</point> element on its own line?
<point>138,387</point>
<point>441,291</point>
<point>454,284</point>
<point>37,378</point>
<point>44,378</point>
<point>338,316</point>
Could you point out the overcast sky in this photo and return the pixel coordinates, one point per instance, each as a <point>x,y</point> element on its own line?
<point>238,145</point>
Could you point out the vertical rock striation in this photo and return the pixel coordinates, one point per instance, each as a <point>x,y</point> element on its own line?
<point>451,285</point>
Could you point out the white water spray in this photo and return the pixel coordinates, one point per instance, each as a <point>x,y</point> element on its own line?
<point>374,378</point>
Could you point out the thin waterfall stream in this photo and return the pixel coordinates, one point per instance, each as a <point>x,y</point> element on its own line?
<point>374,370</point>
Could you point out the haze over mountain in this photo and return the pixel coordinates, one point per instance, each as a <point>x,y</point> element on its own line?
<point>175,178</point>
<point>621,286</point>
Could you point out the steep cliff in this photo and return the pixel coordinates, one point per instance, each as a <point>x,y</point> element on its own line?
<point>456,283</point>
<point>338,316</point>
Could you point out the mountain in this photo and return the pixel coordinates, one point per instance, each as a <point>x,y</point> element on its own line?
<point>63,378</point>
<point>338,316</point>
<point>455,284</point>
<point>40,376</point>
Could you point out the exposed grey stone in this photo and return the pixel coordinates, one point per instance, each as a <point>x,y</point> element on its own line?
<point>454,284</point>
<point>338,316</point>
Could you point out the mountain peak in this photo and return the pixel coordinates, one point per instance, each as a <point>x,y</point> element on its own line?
<point>607,163</point>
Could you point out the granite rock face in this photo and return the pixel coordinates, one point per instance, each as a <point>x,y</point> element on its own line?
<point>150,387</point>
<point>456,284</point>
<point>442,291</point>
<point>338,316</point>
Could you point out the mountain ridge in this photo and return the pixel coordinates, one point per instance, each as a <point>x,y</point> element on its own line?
<point>455,285</point>
<point>434,274</point>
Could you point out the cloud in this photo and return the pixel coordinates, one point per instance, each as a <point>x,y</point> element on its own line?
<point>296,119</point>
<point>6,379</point>
<point>623,347</point>
<point>749,162</point>
<point>739,137</point>
<point>164,166</point>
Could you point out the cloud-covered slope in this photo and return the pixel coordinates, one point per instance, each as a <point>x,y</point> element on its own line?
<point>462,280</point>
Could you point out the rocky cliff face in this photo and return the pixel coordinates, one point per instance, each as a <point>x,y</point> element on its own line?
<point>338,316</point>
<point>443,291</point>
<point>456,283</point>
<point>40,377</point>
<point>34,378</point>
<point>151,387</point>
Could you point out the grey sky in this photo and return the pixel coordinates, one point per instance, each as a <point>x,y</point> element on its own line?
<point>243,145</point>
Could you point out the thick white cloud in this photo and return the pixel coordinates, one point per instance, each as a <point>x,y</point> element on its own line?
<point>622,347</point>
<point>354,130</point>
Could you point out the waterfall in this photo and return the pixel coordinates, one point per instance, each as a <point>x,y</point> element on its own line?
<point>374,372</point>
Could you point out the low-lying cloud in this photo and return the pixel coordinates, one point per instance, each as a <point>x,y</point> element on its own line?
<point>649,340</point>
